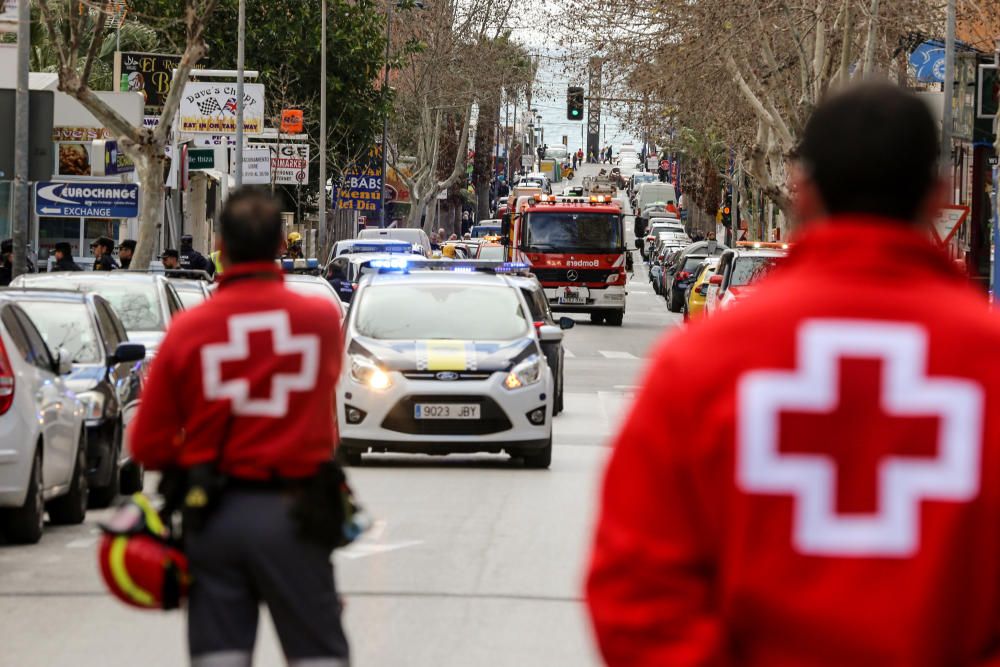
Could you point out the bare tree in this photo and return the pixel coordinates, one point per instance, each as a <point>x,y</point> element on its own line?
<point>146,146</point>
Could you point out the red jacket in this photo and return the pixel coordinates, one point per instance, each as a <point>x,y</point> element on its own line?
<point>813,478</point>
<point>252,372</point>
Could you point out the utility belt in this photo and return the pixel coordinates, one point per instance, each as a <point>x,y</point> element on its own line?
<point>324,508</point>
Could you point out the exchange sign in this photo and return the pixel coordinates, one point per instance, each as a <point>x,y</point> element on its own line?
<point>87,200</point>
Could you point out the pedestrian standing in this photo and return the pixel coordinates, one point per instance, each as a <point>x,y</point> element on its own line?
<point>125,251</point>
<point>171,259</point>
<point>103,247</point>
<point>64,258</point>
<point>830,496</point>
<point>192,259</point>
<point>241,399</point>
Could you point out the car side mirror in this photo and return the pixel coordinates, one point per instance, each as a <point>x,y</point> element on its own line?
<point>126,353</point>
<point>549,334</point>
<point>566,323</point>
<point>715,280</point>
<point>505,225</point>
<point>63,362</point>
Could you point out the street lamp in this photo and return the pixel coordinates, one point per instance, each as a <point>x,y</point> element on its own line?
<point>385,89</point>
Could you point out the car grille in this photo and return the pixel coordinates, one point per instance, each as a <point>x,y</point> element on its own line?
<point>423,375</point>
<point>582,275</point>
<point>492,418</point>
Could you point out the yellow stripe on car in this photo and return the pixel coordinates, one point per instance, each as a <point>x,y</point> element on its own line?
<point>447,355</point>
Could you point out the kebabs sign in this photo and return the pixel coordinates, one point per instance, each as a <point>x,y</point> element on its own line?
<point>210,108</point>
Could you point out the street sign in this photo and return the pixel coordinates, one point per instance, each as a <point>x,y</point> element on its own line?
<point>947,222</point>
<point>107,159</point>
<point>289,162</point>
<point>201,158</point>
<point>148,73</point>
<point>87,200</point>
<point>210,108</point>
<point>291,121</point>
<point>361,187</point>
<point>256,166</point>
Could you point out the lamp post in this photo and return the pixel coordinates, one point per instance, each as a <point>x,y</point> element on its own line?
<point>323,197</point>
<point>385,112</point>
<point>240,65</point>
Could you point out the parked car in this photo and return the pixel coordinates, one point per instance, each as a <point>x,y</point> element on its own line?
<point>549,329</point>
<point>678,279</point>
<point>106,376</point>
<point>144,302</point>
<point>42,440</point>
<point>309,285</point>
<point>191,292</point>
<point>417,238</point>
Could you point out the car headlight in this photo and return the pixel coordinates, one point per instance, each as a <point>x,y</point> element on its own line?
<point>364,371</point>
<point>93,405</point>
<point>525,373</point>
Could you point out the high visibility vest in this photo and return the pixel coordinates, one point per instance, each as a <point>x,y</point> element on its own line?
<point>216,258</point>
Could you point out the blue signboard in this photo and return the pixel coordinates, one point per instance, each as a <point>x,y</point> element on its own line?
<point>928,61</point>
<point>87,200</point>
<point>361,187</point>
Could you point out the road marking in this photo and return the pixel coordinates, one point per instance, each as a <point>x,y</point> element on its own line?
<point>363,549</point>
<point>82,543</point>
<point>616,354</point>
<point>568,354</point>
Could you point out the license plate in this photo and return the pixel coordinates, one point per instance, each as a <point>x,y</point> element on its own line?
<point>572,296</point>
<point>446,411</point>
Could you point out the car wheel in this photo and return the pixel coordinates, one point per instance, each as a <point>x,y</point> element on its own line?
<point>597,318</point>
<point>24,524</point>
<point>102,496</point>
<point>675,303</point>
<point>557,406</point>
<point>132,477</point>
<point>539,459</point>
<point>350,457</point>
<point>71,509</point>
<point>616,318</point>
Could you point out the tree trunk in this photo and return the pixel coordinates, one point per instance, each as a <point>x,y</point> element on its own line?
<point>149,168</point>
<point>482,166</point>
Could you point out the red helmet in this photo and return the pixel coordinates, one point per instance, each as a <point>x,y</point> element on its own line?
<point>139,565</point>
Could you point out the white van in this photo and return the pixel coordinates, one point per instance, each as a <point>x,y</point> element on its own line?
<point>416,236</point>
<point>650,193</point>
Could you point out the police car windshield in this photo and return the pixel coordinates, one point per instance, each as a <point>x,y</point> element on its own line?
<point>66,325</point>
<point>749,269</point>
<point>449,312</point>
<point>573,232</point>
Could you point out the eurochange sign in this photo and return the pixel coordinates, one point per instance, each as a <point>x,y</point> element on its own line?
<point>87,200</point>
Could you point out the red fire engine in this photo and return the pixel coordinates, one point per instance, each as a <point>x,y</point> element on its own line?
<point>576,248</point>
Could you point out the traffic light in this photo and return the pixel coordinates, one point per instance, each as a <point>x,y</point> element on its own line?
<point>574,103</point>
<point>727,211</point>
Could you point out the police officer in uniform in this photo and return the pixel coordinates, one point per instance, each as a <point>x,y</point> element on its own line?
<point>192,259</point>
<point>102,248</point>
<point>64,258</point>
<point>243,386</point>
<point>6,262</point>
<point>125,251</point>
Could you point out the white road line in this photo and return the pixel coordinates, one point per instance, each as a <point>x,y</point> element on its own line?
<point>616,354</point>
<point>569,353</point>
<point>82,543</point>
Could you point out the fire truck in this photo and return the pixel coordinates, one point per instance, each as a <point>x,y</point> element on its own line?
<point>575,246</point>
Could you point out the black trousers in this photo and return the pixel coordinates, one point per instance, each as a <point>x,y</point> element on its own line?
<point>248,554</point>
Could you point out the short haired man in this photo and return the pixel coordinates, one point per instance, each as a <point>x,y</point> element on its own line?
<point>826,493</point>
<point>103,247</point>
<point>245,384</point>
<point>6,262</point>
<point>171,259</point>
<point>125,251</point>
<point>64,258</point>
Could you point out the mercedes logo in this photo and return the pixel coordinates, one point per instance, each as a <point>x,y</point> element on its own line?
<point>572,275</point>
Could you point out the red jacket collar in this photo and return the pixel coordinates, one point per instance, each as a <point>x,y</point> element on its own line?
<point>251,271</point>
<point>863,242</point>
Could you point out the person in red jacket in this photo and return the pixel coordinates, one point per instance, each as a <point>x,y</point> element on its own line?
<point>244,384</point>
<point>825,489</point>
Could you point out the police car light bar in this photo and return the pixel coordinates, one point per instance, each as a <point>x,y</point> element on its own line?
<point>393,265</point>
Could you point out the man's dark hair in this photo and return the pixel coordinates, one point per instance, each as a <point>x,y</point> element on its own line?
<point>872,149</point>
<point>251,227</point>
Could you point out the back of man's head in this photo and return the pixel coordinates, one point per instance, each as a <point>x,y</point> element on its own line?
<point>251,227</point>
<point>872,149</point>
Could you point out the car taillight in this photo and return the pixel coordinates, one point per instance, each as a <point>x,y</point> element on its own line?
<point>539,325</point>
<point>683,275</point>
<point>618,276</point>
<point>6,381</point>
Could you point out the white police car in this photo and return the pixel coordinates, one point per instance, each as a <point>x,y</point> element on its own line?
<point>443,361</point>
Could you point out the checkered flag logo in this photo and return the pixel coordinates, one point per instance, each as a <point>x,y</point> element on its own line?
<point>209,106</point>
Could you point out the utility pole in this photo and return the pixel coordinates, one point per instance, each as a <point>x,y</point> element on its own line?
<point>995,272</point>
<point>322,128</point>
<point>385,112</point>
<point>241,39</point>
<point>949,92</point>
<point>22,211</point>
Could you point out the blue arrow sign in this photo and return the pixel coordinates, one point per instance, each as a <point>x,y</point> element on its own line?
<point>87,200</point>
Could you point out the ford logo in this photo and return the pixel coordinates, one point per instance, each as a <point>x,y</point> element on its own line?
<point>572,275</point>
<point>447,375</point>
